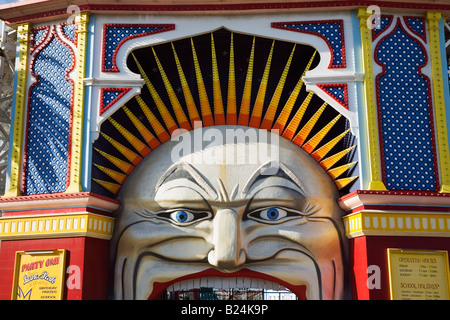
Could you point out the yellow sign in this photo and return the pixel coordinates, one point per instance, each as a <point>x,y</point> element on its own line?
<point>418,275</point>
<point>39,275</point>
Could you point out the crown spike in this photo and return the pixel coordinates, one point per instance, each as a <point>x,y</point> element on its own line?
<point>145,133</point>
<point>244,111</point>
<point>124,166</point>
<point>162,109</point>
<point>205,107</point>
<point>140,147</point>
<point>323,150</point>
<point>190,104</point>
<point>256,116</point>
<point>297,118</point>
<point>179,113</point>
<point>115,175</point>
<point>111,187</point>
<point>308,66</point>
<point>312,143</point>
<point>161,133</point>
<point>338,171</point>
<point>282,119</point>
<point>132,156</point>
<point>273,105</point>
<point>341,183</point>
<point>330,161</point>
<point>305,131</point>
<point>219,116</point>
<point>231,99</point>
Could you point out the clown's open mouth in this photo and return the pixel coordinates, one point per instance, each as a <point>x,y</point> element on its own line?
<point>229,287</point>
<point>236,288</point>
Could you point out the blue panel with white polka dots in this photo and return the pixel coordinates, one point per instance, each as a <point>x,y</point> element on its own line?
<point>338,92</point>
<point>406,113</point>
<point>115,35</point>
<point>110,95</point>
<point>381,24</point>
<point>46,163</point>
<point>417,25</point>
<point>38,36</point>
<point>69,31</point>
<point>329,30</point>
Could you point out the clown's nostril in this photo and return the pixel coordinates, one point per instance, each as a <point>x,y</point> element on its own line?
<point>226,264</point>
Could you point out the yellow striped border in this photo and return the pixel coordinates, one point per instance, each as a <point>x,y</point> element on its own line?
<point>57,226</point>
<point>433,19</point>
<point>17,136</point>
<point>77,119</point>
<point>375,182</point>
<point>396,224</point>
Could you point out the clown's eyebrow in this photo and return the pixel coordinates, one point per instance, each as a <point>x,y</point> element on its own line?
<point>186,171</point>
<point>277,169</point>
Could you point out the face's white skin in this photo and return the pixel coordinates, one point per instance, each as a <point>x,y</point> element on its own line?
<point>218,217</point>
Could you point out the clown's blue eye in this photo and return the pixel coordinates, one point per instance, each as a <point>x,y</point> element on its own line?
<point>274,215</point>
<point>182,216</point>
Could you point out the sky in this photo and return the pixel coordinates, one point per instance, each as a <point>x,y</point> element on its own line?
<point>8,1</point>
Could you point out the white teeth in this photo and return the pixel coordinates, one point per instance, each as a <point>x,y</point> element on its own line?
<point>217,282</point>
<point>226,283</point>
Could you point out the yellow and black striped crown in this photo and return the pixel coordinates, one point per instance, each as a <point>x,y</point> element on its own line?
<point>222,78</point>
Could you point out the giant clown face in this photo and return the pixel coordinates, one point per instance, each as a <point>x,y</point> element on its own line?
<point>202,215</point>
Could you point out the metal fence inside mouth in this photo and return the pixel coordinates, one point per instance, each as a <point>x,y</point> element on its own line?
<point>228,294</point>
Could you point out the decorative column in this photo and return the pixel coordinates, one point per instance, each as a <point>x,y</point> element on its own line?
<point>16,140</point>
<point>433,19</point>
<point>78,106</point>
<point>375,178</point>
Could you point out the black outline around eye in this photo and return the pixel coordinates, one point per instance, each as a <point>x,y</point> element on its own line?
<point>290,215</point>
<point>198,216</point>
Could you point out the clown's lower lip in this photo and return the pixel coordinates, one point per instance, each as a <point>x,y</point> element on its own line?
<point>252,282</point>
